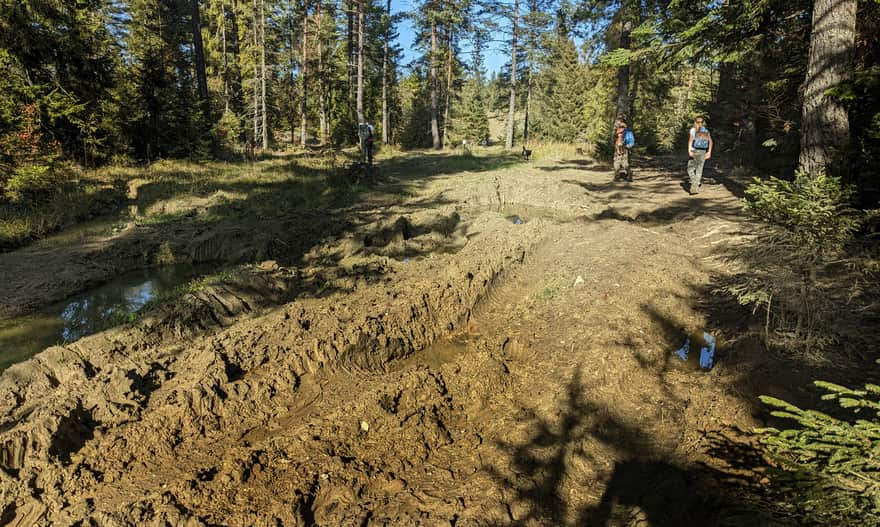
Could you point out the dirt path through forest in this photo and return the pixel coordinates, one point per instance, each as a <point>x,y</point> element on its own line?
<point>493,349</point>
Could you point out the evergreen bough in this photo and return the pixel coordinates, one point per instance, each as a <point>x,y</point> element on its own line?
<point>830,467</point>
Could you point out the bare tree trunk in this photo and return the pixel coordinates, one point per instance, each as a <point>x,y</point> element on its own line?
<point>263,74</point>
<point>623,102</point>
<point>199,51</point>
<point>360,62</point>
<point>446,105</point>
<point>256,30</point>
<point>435,130</point>
<point>832,44</point>
<point>351,52</point>
<point>238,105</point>
<point>511,111</point>
<point>385,120</point>
<point>225,56</point>
<point>305,76</point>
<point>526,122</point>
<point>322,95</point>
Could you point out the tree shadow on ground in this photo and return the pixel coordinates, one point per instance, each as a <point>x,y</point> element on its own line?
<point>645,485</point>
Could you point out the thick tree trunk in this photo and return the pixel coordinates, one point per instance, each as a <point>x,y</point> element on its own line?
<point>360,62</point>
<point>623,102</point>
<point>435,130</point>
<point>199,51</point>
<point>385,119</point>
<point>825,127</point>
<point>511,111</point>
<point>305,76</point>
<point>447,104</point>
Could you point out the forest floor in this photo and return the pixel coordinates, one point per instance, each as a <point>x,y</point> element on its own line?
<point>454,340</point>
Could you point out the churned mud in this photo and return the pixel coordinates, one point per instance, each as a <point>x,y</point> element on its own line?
<point>487,346</point>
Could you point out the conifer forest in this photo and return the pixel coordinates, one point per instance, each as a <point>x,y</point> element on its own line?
<point>525,263</point>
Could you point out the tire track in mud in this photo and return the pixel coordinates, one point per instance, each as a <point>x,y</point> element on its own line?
<point>96,431</point>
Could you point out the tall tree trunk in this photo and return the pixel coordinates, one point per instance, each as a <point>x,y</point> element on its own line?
<point>385,120</point>
<point>351,52</point>
<point>225,56</point>
<point>322,86</point>
<point>360,62</point>
<point>304,76</point>
<point>265,119</point>
<point>256,31</point>
<point>832,44</point>
<point>236,80</point>
<point>201,75</point>
<point>447,103</point>
<point>435,130</point>
<point>511,111</point>
<point>526,122</point>
<point>623,102</point>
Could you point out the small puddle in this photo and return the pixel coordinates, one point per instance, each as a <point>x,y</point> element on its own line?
<point>436,355</point>
<point>103,307</point>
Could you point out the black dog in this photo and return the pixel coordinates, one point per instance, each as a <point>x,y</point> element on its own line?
<point>526,154</point>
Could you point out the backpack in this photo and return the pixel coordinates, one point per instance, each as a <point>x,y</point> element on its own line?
<point>701,139</point>
<point>629,140</point>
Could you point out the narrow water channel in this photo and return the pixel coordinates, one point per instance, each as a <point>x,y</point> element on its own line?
<point>103,307</point>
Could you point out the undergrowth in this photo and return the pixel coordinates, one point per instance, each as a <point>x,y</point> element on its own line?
<point>806,270</point>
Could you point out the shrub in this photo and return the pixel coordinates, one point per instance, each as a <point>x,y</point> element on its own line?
<point>798,269</point>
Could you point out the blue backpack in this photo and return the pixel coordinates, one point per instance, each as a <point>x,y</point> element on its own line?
<point>701,139</point>
<point>629,140</point>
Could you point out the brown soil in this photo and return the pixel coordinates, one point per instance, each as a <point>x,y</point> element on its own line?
<point>427,362</point>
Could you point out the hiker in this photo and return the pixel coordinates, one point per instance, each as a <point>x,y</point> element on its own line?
<point>365,133</point>
<point>699,150</point>
<point>623,143</point>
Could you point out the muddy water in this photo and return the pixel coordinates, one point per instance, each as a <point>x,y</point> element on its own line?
<point>435,355</point>
<point>111,304</point>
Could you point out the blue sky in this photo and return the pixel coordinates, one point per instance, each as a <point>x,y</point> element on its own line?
<point>493,58</point>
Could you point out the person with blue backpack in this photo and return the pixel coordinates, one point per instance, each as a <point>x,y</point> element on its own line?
<point>699,150</point>
<point>623,143</point>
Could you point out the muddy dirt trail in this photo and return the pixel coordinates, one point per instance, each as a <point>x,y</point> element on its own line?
<point>492,349</point>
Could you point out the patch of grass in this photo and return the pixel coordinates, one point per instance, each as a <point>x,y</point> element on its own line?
<point>23,222</point>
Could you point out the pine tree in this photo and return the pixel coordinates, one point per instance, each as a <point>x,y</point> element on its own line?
<point>562,103</point>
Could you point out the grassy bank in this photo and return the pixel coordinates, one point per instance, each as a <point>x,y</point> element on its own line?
<point>174,190</point>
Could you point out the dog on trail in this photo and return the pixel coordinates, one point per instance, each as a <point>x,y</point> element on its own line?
<point>526,153</point>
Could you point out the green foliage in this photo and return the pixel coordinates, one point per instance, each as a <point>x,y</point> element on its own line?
<point>794,263</point>
<point>562,97</point>
<point>812,213</point>
<point>829,467</point>
<point>472,117</point>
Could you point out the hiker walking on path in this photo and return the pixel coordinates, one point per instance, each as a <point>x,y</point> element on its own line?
<point>623,142</point>
<point>365,133</point>
<point>699,150</point>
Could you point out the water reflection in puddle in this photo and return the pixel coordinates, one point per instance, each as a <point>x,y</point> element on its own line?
<point>111,304</point>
